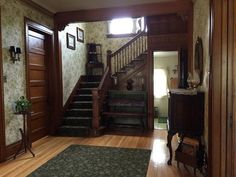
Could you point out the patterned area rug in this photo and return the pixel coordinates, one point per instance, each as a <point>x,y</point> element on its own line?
<point>96,161</point>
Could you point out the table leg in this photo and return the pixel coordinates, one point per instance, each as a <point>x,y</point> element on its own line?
<point>21,144</point>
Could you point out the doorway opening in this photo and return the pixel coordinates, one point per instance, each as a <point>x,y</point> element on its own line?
<point>40,67</point>
<point>165,77</point>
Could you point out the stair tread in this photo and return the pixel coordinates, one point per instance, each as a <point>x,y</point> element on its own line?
<point>83,95</point>
<point>80,109</point>
<point>126,102</point>
<point>124,113</point>
<point>84,88</point>
<point>74,126</point>
<point>90,82</point>
<point>77,117</point>
<point>82,102</point>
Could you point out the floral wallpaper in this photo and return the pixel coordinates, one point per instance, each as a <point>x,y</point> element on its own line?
<point>201,28</point>
<point>96,33</point>
<point>73,61</point>
<point>12,24</point>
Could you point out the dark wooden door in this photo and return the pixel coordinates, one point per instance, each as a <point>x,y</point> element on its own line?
<point>37,85</point>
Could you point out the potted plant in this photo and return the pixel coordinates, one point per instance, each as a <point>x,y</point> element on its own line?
<point>22,105</point>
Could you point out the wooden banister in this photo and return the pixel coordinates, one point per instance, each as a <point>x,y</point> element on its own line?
<point>99,95</point>
<point>128,52</point>
<point>128,43</point>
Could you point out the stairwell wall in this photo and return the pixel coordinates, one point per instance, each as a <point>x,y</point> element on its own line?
<point>73,61</point>
<point>97,32</point>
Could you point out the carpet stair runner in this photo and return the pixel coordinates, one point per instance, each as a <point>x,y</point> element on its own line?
<point>78,117</point>
<point>126,109</point>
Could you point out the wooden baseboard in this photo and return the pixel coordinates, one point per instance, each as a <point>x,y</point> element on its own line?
<point>11,150</point>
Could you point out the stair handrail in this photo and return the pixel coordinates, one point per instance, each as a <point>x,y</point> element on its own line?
<point>127,53</point>
<point>98,96</point>
<point>129,42</point>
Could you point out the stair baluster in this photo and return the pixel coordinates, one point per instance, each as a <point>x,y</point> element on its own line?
<point>133,49</point>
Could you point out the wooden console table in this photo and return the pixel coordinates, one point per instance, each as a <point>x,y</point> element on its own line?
<point>24,141</point>
<point>186,115</point>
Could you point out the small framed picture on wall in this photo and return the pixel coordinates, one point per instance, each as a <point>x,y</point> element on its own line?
<point>80,35</point>
<point>70,41</point>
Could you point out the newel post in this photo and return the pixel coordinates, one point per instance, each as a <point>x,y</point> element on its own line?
<point>109,52</point>
<point>96,116</point>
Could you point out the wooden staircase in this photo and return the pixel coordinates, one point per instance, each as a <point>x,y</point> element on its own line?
<point>127,109</point>
<point>78,117</point>
<point>89,107</point>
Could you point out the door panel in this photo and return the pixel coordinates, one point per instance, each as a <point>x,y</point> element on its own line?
<point>38,85</point>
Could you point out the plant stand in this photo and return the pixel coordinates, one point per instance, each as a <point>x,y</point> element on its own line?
<point>24,141</point>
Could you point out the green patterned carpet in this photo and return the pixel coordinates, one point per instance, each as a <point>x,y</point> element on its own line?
<point>96,161</point>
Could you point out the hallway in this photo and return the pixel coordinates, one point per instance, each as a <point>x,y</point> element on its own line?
<point>48,147</point>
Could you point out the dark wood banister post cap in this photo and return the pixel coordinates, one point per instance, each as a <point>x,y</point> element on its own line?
<point>109,52</point>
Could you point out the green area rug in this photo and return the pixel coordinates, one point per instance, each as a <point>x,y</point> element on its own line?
<point>96,161</point>
<point>162,119</point>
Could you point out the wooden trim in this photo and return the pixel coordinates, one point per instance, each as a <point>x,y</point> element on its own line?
<point>233,37</point>
<point>218,115</point>
<point>64,18</point>
<point>58,70</point>
<point>150,97</point>
<point>38,7</point>
<point>11,150</point>
<point>229,159</point>
<point>52,74</point>
<point>70,99</point>
<point>121,35</point>
<point>2,115</point>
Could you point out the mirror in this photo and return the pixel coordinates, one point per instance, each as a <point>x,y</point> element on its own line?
<point>198,59</point>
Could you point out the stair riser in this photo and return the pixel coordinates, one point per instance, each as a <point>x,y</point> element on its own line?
<point>127,109</point>
<point>79,113</point>
<point>89,85</point>
<point>81,105</point>
<point>84,91</point>
<point>92,78</point>
<point>82,98</point>
<point>79,122</point>
<point>73,132</point>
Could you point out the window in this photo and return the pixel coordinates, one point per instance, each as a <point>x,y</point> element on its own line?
<point>121,26</point>
<point>160,83</point>
<point>124,26</point>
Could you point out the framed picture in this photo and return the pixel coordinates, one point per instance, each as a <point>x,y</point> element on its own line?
<point>80,35</point>
<point>70,41</point>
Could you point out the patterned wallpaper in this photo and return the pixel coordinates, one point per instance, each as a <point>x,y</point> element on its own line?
<point>201,29</point>
<point>96,33</point>
<point>73,61</point>
<point>12,18</point>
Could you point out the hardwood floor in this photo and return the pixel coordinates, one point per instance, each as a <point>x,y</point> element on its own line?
<point>49,147</point>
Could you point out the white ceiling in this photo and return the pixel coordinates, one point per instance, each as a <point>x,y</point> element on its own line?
<point>71,5</point>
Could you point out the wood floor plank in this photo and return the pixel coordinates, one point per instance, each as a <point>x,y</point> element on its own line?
<point>49,147</point>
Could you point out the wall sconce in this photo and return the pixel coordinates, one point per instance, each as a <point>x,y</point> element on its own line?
<point>15,53</point>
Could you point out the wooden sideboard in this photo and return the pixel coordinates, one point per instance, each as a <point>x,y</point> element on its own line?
<point>186,115</point>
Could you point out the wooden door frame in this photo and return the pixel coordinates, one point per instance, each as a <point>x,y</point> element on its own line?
<point>220,97</point>
<point>51,68</point>
<point>232,26</point>
<point>2,116</point>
